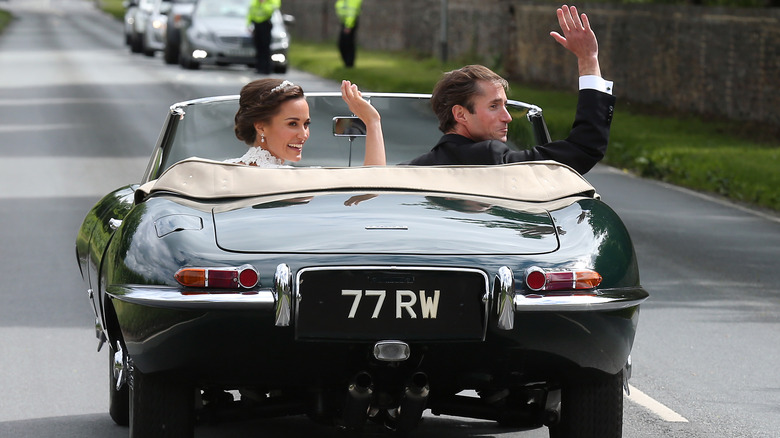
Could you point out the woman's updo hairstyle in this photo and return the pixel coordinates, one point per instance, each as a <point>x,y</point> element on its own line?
<point>259,101</point>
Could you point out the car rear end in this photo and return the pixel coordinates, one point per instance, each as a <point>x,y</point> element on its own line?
<point>310,294</point>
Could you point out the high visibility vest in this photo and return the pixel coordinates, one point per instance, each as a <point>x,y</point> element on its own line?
<point>260,11</point>
<point>348,11</point>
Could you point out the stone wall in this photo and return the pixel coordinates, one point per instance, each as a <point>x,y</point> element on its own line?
<point>711,61</point>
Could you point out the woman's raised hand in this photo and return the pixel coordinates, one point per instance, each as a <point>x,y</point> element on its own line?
<point>359,106</point>
<point>375,143</point>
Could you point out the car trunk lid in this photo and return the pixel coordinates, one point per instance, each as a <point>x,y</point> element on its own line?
<point>387,223</point>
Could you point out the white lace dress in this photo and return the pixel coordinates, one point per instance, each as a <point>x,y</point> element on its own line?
<point>257,156</point>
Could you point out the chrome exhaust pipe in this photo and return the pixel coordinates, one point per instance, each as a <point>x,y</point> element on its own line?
<point>413,403</point>
<point>358,402</point>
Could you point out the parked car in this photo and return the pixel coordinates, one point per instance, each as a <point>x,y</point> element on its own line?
<point>216,33</point>
<point>354,294</point>
<point>137,13</point>
<point>153,39</point>
<point>179,13</point>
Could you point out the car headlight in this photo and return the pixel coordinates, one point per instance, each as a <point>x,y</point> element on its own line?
<point>205,35</point>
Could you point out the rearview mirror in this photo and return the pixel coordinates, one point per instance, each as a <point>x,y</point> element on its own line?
<point>348,127</point>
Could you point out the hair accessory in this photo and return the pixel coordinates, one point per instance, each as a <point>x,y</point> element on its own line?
<point>285,84</point>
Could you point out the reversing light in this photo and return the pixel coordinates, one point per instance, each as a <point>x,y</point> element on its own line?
<point>538,279</point>
<point>224,277</point>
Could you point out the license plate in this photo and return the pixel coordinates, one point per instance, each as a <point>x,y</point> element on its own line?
<point>405,304</point>
<point>246,53</point>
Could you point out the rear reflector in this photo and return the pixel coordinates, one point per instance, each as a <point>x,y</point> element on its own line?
<point>538,279</point>
<point>226,277</point>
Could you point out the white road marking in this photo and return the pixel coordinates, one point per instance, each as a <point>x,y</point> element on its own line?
<point>654,406</point>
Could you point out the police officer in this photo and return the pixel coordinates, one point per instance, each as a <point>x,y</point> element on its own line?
<point>259,20</point>
<point>348,12</point>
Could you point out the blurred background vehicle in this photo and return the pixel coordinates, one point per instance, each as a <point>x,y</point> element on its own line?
<point>153,39</point>
<point>136,14</point>
<point>217,34</point>
<point>180,10</point>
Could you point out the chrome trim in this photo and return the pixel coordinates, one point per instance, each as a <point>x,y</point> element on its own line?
<point>114,223</point>
<point>172,298</point>
<point>505,280</point>
<point>119,367</point>
<point>382,348</point>
<point>627,370</point>
<point>396,267</point>
<point>600,300</point>
<point>178,107</point>
<point>283,294</point>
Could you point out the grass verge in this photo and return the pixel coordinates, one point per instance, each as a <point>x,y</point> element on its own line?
<point>708,156</point>
<point>5,19</point>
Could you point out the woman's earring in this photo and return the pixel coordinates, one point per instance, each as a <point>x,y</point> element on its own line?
<point>262,138</point>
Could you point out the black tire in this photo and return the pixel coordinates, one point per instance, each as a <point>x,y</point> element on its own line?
<point>136,45</point>
<point>186,62</point>
<point>146,50</point>
<point>591,408</point>
<point>118,399</point>
<point>171,50</point>
<point>161,406</point>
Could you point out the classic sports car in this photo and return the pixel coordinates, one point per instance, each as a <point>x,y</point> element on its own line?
<point>359,295</point>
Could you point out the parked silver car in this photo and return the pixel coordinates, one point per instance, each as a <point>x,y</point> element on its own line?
<point>217,34</point>
<point>137,13</point>
<point>153,38</point>
<point>180,12</point>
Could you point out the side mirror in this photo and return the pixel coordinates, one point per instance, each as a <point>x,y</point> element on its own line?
<point>348,127</point>
<point>288,19</point>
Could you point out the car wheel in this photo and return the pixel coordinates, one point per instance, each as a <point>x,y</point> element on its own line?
<point>161,405</point>
<point>118,399</point>
<point>136,45</point>
<point>591,408</point>
<point>281,69</point>
<point>147,51</point>
<point>187,62</point>
<point>171,51</point>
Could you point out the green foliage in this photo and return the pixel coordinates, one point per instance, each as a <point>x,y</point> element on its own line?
<point>708,156</point>
<point>113,7</point>
<point>5,19</point>
<point>723,3</point>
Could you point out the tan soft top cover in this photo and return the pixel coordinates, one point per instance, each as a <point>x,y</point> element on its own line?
<point>533,181</point>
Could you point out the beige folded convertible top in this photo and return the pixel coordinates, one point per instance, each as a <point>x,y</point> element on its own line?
<point>534,181</point>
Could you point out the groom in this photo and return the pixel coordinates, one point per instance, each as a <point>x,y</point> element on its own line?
<point>470,104</point>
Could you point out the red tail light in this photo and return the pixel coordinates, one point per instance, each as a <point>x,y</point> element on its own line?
<point>538,279</point>
<point>227,277</point>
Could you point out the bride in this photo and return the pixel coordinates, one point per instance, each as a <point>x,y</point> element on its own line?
<point>273,119</point>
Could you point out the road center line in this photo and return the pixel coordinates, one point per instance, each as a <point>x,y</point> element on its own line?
<point>654,406</point>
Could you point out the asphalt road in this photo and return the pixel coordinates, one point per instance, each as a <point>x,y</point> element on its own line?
<point>78,117</point>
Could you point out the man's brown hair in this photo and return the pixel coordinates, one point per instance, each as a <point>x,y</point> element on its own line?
<point>458,87</point>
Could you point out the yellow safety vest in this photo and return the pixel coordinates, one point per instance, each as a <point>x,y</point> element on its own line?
<point>348,11</point>
<point>260,11</point>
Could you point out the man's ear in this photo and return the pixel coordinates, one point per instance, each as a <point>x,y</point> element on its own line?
<point>459,113</point>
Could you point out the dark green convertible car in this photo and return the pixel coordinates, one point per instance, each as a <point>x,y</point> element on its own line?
<point>359,295</point>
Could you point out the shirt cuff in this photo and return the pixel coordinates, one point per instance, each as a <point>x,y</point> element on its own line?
<point>594,82</point>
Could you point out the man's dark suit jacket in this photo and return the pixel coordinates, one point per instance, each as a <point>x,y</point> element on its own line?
<point>585,146</point>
